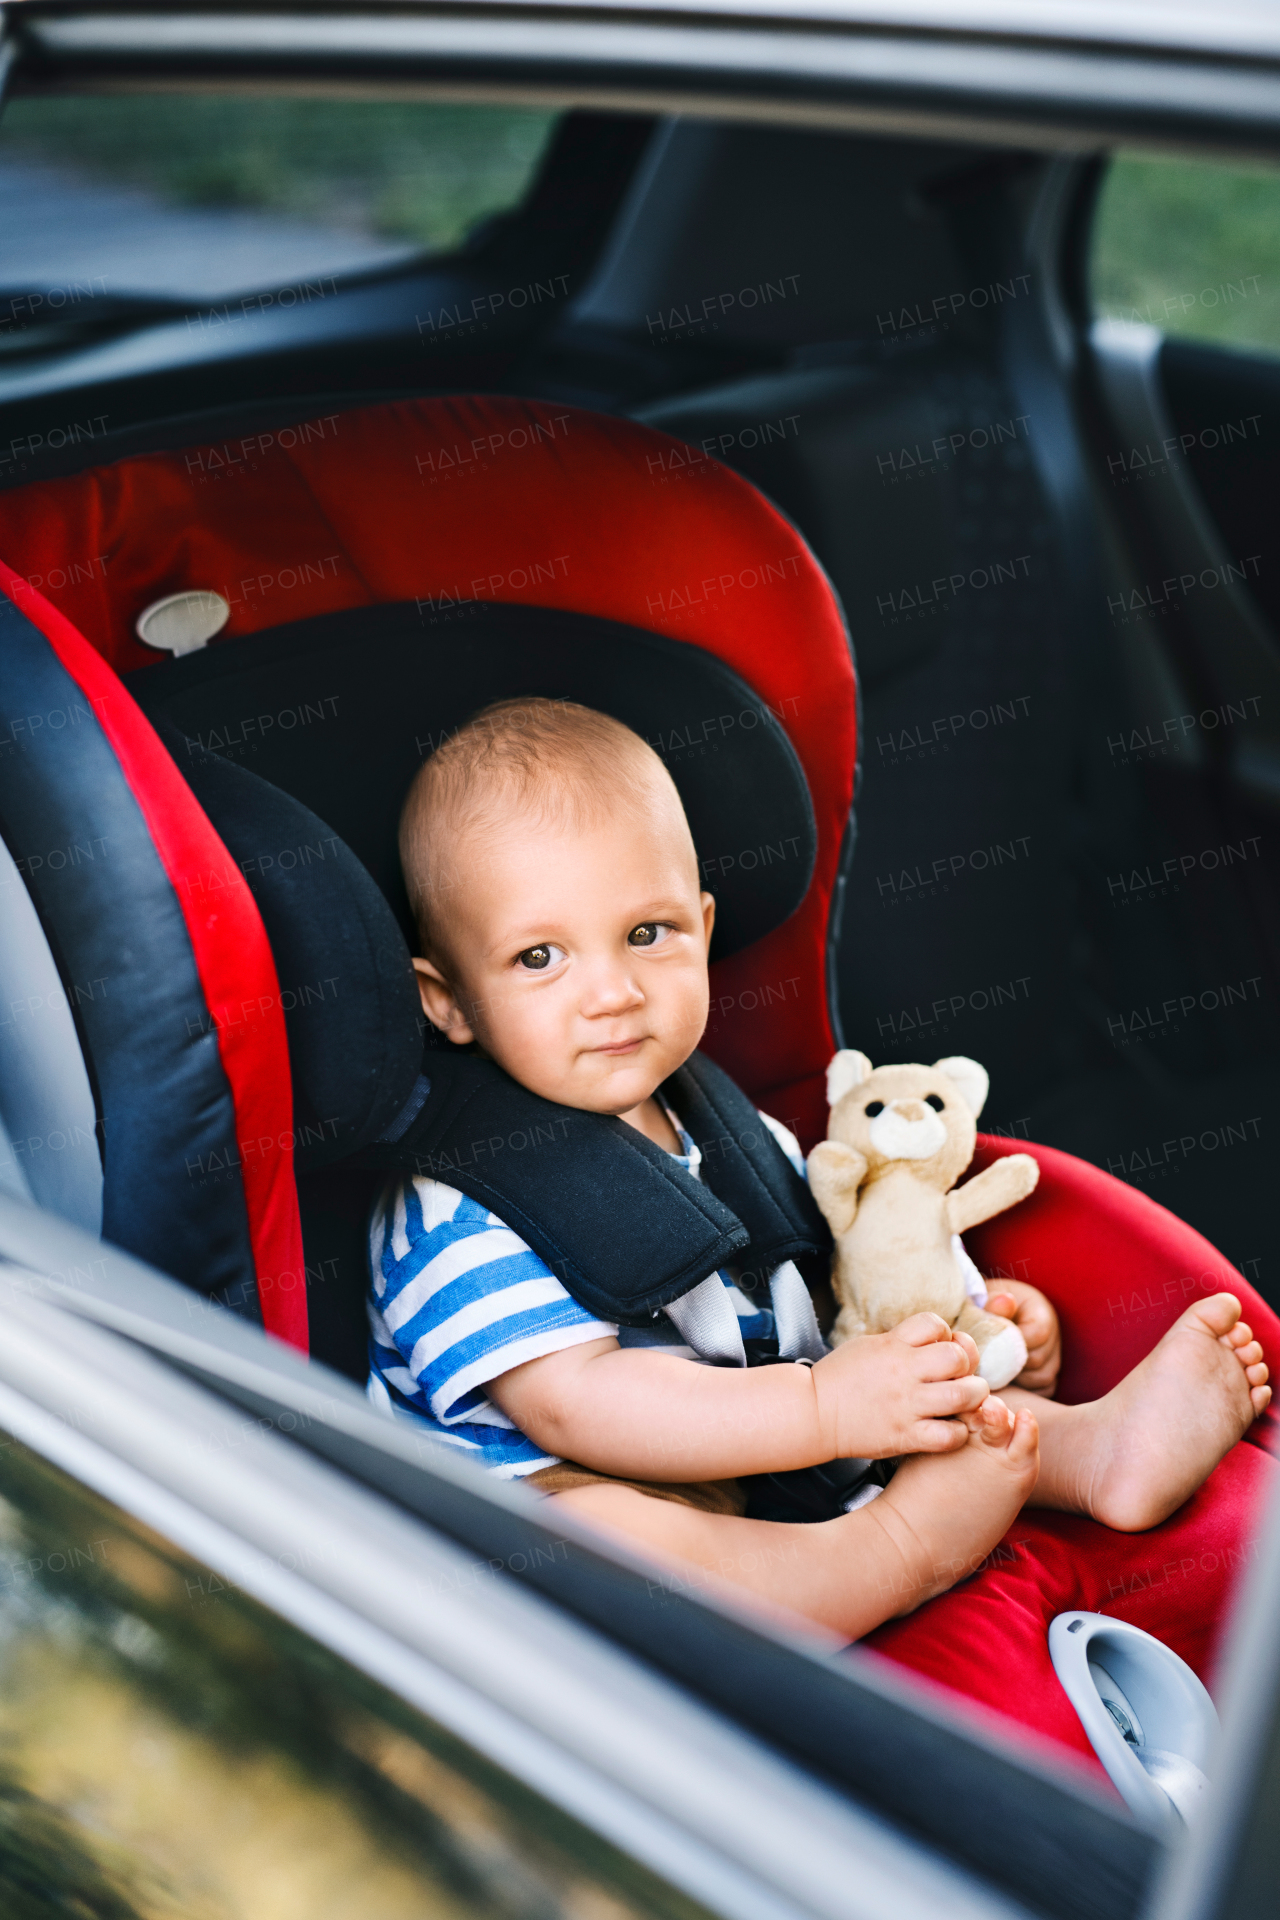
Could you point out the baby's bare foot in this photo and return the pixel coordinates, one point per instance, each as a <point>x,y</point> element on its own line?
<point>1134,1456</point>
<point>943,1513</point>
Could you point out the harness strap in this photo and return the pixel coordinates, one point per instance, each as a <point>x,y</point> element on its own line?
<point>794,1320</point>
<point>706,1318</point>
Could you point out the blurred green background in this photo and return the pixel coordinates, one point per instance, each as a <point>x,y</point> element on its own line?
<point>1192,247</point>
<point>417,171</point>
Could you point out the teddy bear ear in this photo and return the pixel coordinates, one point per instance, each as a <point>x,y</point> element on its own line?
<point>970,1078</point>
<point>848,1069</point>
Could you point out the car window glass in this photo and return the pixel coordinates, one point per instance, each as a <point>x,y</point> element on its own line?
<point>171,1750</point>
<point>190,196</point>
<point>1191,247</point>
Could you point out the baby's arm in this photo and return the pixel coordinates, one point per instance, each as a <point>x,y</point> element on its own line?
<point>639,1413</point>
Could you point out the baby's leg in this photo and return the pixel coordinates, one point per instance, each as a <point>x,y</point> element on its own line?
<point>989,1638</point>
<point>937,1521</point>
<point>1133,1457</point>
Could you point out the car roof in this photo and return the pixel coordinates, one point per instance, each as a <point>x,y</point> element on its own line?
<point>1046,73</point>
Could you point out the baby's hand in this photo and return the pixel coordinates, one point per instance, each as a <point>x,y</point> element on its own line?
<point>1037,1322</point>
<point>914,1390</point>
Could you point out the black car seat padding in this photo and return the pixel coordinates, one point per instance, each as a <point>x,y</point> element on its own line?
<point>335,714</point>
<point>762,753</point>
<point>341,709</point>
<point>347,990</point>
<point>82,841</point>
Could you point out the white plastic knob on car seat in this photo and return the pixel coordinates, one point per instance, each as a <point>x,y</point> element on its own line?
<point>1149,1719</point>
<point>183,622</point>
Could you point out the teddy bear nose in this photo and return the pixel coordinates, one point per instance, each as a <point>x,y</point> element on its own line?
<point>909,1109</point>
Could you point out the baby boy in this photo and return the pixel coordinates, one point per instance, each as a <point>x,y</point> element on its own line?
<point>564,934</point>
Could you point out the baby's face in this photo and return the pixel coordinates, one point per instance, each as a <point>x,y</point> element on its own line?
<point>578,957</point>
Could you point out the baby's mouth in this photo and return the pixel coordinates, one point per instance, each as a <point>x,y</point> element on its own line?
<point>620,1046</point>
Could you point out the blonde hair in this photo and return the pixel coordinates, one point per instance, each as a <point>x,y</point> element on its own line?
<point>552,758</point>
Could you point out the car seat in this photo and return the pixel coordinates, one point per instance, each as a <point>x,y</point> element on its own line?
<point>208,843</point>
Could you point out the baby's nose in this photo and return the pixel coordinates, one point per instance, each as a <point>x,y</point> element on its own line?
<point>910,1109</point>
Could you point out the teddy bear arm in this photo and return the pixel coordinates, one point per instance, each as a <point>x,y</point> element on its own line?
<point>835,1174</point>
<point>998,1186</point>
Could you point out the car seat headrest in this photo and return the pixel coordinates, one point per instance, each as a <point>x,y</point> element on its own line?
<point>340,710</point>
<point>346,987</point>
<point>289,514</point>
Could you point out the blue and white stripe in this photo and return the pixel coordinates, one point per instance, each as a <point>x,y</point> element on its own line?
<point>458,1299</point>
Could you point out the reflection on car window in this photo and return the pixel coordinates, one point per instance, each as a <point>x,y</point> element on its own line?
<point>1191,247</point>
<point>169,1750</point>
<point>180,196</point>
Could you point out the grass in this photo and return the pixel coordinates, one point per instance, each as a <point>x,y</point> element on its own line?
<point>1192,247</point>
<point>421,172</point>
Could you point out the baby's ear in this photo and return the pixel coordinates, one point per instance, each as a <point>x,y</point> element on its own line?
<point>848,1069</point>
<point>971,1080</point>
<point>439,1003</point>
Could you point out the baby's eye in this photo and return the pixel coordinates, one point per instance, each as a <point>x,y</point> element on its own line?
<point>933,1100</point>
<point>874,1107</point>
<point>650,933</point>
<point>538,959</point>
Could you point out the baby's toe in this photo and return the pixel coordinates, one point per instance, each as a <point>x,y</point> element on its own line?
<point>1025,1438</point>
<point>1219,1314</point>
<point>1258,1376</point>
<point>1261,1398</point>
<point>996,1421</point>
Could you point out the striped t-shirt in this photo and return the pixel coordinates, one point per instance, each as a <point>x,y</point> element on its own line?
<point>458,1299</point>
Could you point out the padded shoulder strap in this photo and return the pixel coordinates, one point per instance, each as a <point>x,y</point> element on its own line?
<point>745,1167</point>
<point>617,1220</point>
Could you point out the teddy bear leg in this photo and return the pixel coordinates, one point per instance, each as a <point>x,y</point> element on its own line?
<point>1002,1351</point>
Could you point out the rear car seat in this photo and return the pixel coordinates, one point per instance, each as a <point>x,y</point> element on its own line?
<point>373,605</point>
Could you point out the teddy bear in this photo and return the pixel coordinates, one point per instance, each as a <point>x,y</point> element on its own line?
<point>898,1140</point>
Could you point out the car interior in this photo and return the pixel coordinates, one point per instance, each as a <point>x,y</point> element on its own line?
<point>952,479</point>
<point>949,599</point>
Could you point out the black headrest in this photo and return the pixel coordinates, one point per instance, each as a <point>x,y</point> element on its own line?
<point>339,711</point>
<point>347,990</point>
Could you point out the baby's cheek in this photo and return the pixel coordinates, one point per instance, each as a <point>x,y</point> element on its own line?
<point>695,1000</point>
<point>526,1039</point>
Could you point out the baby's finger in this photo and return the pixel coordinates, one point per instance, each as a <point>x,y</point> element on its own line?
<point>939,1436</point>
<point>948,1360</point>
<point>1044,1361</point>
<point>1003,1304</point>
<point>1036,1322</point>
<point>922,1329</point>
<point>949,1397</point>
<point>1045,1355</point>
<point>1043,1381</point>
<point>968,1346</point>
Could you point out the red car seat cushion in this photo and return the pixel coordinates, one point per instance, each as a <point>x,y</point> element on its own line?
<point>443,502</point>
<point>498,499</point>
<point>1120,1270</point>
<point>226,938</point>
<point>987,1638</point>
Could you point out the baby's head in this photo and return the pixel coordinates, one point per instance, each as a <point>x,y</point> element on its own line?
<point>554,882</point>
